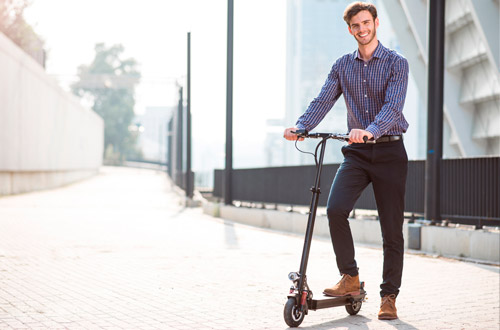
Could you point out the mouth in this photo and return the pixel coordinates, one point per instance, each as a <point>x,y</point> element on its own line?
<point>363,35</point>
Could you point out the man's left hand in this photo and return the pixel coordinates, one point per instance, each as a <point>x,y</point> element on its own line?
<point>356,135</point>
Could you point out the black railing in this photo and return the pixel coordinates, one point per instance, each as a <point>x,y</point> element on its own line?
<point>470,188</point>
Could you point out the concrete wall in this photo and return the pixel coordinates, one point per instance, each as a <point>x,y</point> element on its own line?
<point>46,137</point>
<point>461,242</point>
<point>445,241</point>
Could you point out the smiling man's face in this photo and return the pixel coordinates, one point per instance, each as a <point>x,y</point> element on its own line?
<point>363,27</point>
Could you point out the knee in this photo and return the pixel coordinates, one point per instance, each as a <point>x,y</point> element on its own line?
<point>394,241</point>
<point>336,213</point>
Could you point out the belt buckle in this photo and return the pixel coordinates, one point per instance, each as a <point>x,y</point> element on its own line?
<point>395,137</point>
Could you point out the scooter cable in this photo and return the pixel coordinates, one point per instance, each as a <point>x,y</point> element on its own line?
<point>306,152</point>
<point>315,154</point>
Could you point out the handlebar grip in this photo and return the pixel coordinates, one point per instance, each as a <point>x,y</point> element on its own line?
<point>300,132</point>
<point>365,139</point>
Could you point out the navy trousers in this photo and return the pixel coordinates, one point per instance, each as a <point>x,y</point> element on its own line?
<point>385,165</point>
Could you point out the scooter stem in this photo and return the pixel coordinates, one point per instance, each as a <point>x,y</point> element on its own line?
<point>312,217</point>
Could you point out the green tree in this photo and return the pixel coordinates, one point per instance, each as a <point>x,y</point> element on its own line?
<point>109,82</point>
<point>14,26</point>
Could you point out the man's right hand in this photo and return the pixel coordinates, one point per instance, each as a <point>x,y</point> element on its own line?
<point>290,136</point>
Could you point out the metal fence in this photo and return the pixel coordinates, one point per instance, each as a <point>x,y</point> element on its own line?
<point>470,188</point>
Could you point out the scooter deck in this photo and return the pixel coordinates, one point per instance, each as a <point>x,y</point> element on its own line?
<point>327,302</point>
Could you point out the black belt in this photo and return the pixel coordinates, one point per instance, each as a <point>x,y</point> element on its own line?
<point>386,138</point>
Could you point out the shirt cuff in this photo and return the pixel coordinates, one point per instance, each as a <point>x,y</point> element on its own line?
<point>300,126</point>
<point>374,130</point>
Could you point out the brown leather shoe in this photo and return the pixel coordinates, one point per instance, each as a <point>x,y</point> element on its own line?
<point>388,309</point>
<point>348,285</point>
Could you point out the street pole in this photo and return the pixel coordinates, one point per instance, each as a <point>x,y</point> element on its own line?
<point>180,134</point>
<point>189,178</point>
<point>228,198</point>
<point>435,110</point>
<point>169,148</point>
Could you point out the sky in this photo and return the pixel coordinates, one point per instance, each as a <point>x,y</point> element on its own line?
<point>154,32</point>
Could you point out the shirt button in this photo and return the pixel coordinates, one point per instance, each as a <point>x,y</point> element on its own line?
<point>366,111</point>
<point>366,95</point>
<point>364,80</point>
<point>365,64</point>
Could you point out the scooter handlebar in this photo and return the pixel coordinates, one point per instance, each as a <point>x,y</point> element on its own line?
<point>343,137</point>
<point>305,134</point>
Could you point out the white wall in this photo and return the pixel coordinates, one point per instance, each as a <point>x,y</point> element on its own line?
<point>44,131</point>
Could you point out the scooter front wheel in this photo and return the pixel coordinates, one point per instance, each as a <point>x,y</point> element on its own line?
<point>292,313</point>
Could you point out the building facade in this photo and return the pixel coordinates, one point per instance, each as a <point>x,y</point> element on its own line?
<point>152,132</point>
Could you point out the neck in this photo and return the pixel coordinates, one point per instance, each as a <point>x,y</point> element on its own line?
<point>366,51</point>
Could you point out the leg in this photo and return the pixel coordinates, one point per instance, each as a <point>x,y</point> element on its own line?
<point>389,181</point>
<point>347,186</point>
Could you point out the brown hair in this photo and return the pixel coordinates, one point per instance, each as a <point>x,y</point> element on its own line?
<point>355,7</point>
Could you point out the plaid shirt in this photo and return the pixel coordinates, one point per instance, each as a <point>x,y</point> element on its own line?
<point>374,93</point>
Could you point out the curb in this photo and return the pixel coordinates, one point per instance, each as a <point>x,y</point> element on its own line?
<point>479,246</point>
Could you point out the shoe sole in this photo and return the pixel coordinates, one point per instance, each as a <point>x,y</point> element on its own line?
<point>354,293</point>
<point>387,318</point>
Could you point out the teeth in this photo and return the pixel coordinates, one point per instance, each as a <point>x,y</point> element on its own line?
<point>363,35</point>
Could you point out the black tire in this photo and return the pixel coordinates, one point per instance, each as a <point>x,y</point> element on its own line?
<point>354,307</point>
<point>293,315</point>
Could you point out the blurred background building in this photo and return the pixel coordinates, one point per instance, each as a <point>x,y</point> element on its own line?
<point>316,36</point>
<point>472,65</point>
<point>152,132</point>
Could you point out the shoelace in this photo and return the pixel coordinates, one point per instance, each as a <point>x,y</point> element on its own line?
<point>342,280</point>
<point>388,298</point>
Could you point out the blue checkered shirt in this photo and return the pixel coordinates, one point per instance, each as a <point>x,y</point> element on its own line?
<point>374,93</point>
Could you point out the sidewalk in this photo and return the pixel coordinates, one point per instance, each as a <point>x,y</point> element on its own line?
<point>119,251</point>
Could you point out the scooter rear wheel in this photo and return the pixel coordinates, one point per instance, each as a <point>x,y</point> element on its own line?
<point>292,313</point>
<point>354,307</point>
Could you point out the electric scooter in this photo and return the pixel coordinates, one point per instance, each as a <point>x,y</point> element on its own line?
<point>300,299</point>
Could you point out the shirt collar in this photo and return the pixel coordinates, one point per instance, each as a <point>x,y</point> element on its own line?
<point>378,53</point>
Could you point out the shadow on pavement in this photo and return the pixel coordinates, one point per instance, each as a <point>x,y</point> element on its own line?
<point>359,322</point>
<point>179,212</point>
<point>490,268</point>
<point>230,237</point>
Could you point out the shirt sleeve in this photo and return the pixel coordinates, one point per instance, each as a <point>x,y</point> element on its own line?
<point>394,100</point>
<point>322,104</point>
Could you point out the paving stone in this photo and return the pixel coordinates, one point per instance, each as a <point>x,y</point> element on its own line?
<point>120,251</point>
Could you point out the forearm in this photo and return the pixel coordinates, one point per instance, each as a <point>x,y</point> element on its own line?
<point>384,121</point>
<point>314,114</point>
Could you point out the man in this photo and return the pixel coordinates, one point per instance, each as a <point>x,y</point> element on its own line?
<point>373,81</point>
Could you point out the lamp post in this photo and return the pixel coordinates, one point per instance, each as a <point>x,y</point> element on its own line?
<point>228,198</point>
<point>435,111</point>
<point>179,131</point>
<point>189,177</point>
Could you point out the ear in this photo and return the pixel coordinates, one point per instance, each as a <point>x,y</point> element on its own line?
<point>349,28</point>
<point>376,23</point>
